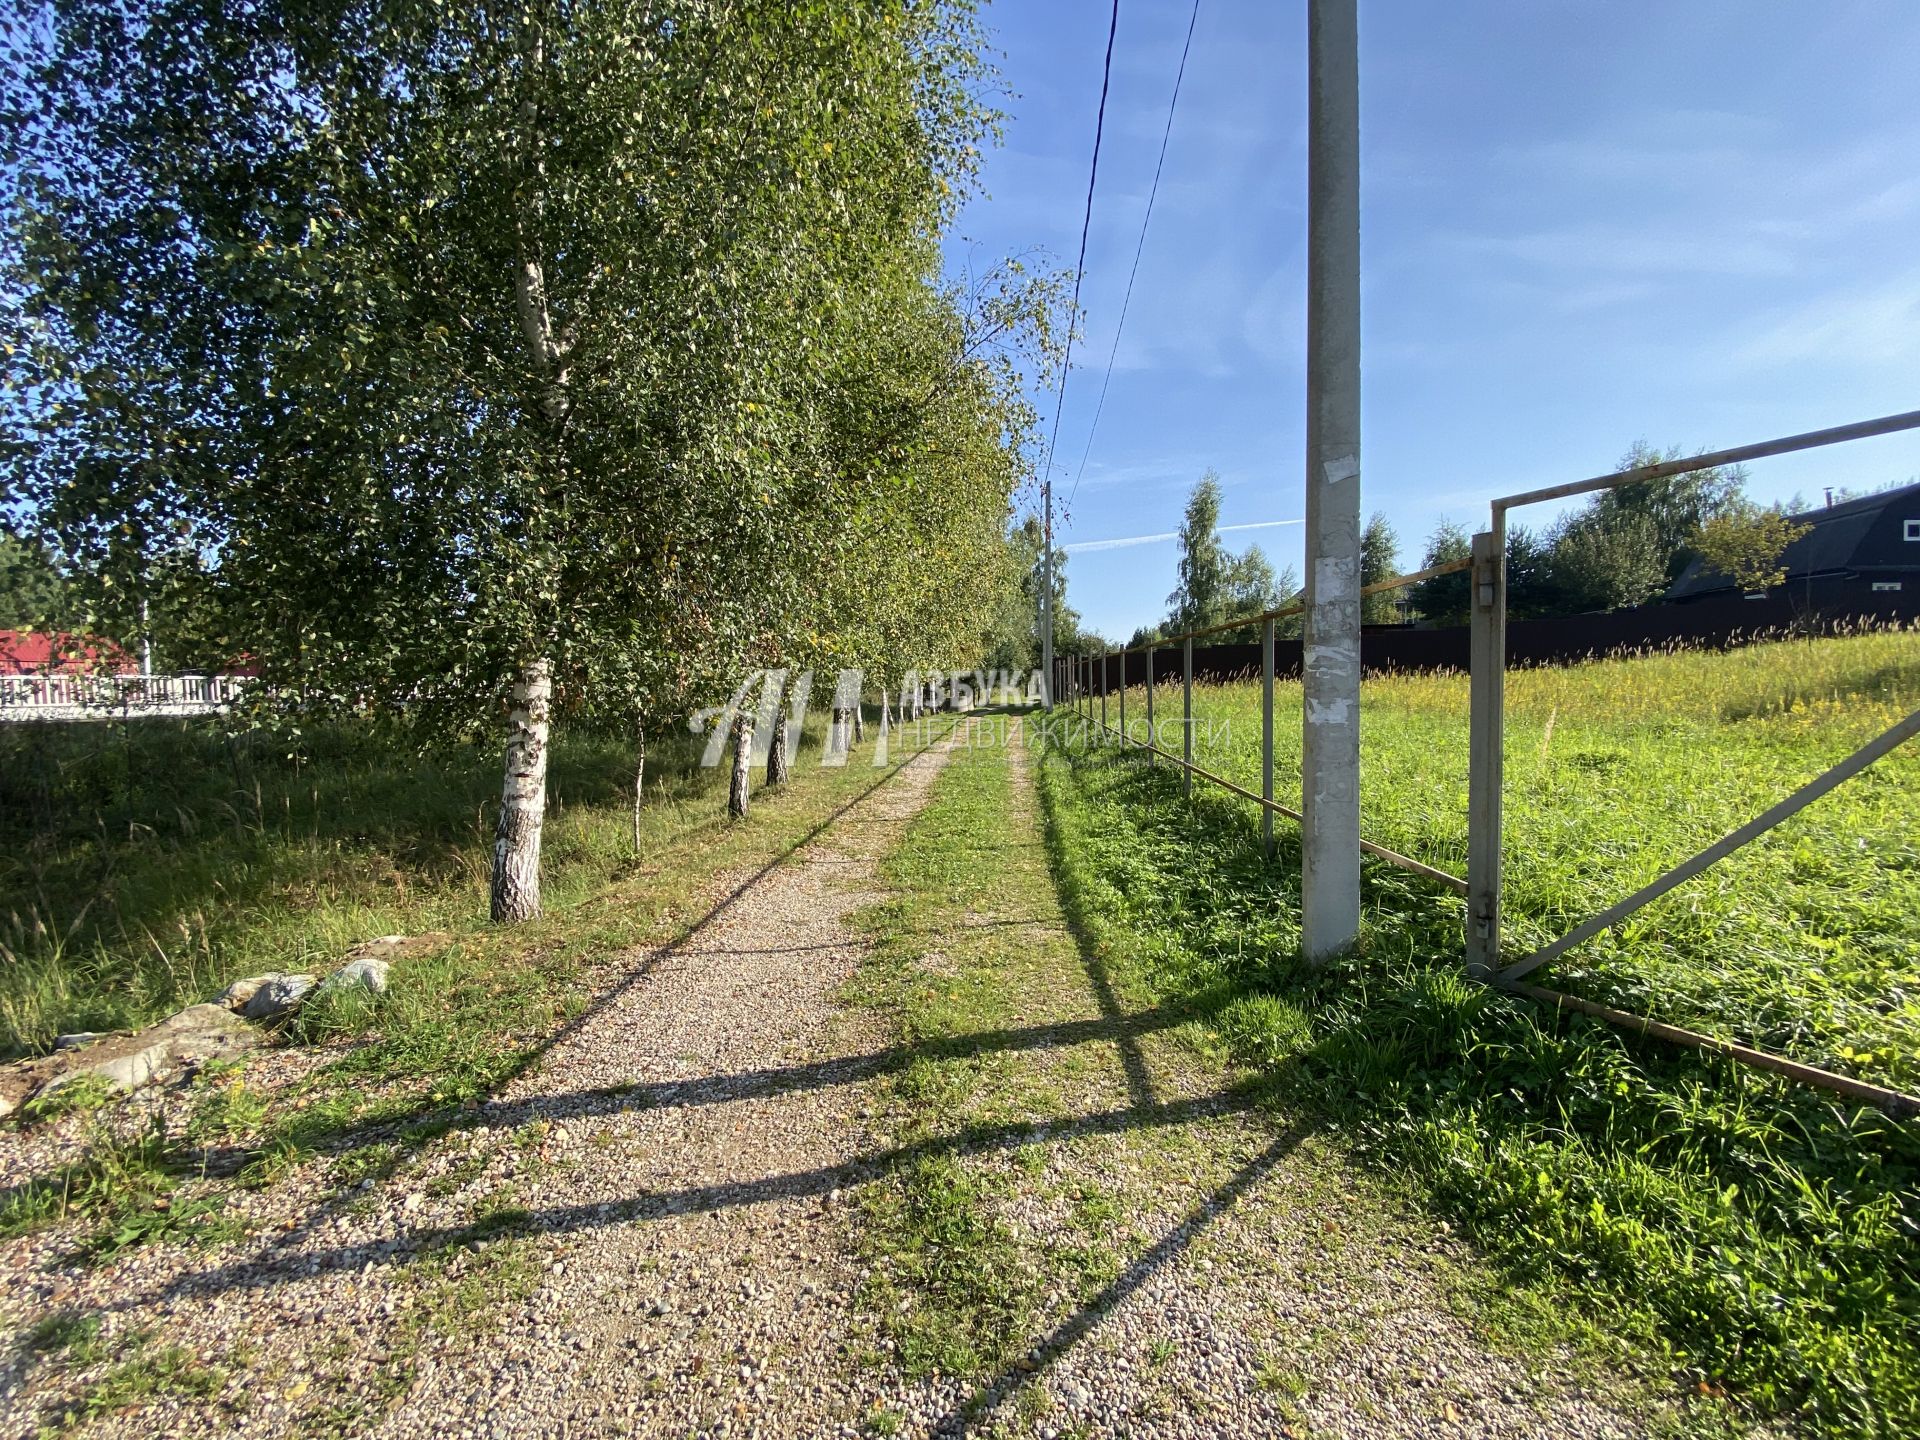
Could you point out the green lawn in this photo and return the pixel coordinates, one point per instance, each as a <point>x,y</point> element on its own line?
<point>144,865</point>
<point>1807,942</point>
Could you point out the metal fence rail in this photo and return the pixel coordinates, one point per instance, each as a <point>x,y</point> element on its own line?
<point>1090,673</point>
<point>1487,733</point>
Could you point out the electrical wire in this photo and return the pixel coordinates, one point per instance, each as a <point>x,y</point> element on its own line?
<point>1145,220</point>
<point>1086,224</point>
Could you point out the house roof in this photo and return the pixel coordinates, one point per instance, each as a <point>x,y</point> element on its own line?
<point>1838,541</point>
<point>60,652</point>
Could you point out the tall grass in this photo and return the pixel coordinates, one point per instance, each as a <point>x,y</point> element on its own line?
<point>144,865</point>
<point>1807,942</point>
<point>1763,1233</point>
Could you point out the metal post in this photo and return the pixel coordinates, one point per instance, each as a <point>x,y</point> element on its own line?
<point>1103,695</point>
<point>1330,750</point>
<point>1186,724</point>
<point>1123,697</point>
<point>1487,666</point>
<point>1153,738</point>
<point>1266,737</point>
<point>1046,599</point>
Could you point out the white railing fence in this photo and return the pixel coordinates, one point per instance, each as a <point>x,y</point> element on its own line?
<point>105,697</point>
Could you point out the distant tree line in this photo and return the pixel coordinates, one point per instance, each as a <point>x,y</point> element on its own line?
<point>1622,547</point>
<point>1217,586</point>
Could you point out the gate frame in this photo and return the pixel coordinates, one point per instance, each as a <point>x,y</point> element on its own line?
<point>1487,733</point>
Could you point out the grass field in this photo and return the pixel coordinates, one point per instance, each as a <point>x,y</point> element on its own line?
<point>144,865</point>
<point>1807,942</point>
<point>1764,1234</point>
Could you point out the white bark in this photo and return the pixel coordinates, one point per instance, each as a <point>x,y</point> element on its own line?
<point>523,797</point>
<point>740,791</point>
<point>639,777</point>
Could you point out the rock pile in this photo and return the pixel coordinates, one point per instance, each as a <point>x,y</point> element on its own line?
<point>215,1030</point>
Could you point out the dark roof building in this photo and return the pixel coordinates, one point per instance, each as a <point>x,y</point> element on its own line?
<point>1870,546</point>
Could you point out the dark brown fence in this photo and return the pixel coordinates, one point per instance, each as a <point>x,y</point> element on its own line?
<point>1823,608</point>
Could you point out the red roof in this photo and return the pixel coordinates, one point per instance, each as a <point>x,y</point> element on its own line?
<point>60,652</point>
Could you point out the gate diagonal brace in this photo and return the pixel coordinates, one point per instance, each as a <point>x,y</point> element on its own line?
<point>1830,780</point>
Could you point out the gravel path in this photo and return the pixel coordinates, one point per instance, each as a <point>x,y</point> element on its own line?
<point>715,1295</point>
<point>646,1234</point>
<point>653,1232</point>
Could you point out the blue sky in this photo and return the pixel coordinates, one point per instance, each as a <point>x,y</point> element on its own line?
<point>1583,224</point>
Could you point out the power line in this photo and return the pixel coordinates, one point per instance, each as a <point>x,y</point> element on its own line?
<point>1139,248</point>
<point>1086,224</point>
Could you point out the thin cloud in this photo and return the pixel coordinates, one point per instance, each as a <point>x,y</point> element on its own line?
<point>1874,326</point>
<point>1082,547</point>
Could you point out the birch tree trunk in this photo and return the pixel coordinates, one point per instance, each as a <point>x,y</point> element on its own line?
<point>779,758</point>
<point>523,797</point>
<point>639,776</point>
<point>740,791</point>
<point>859,720</point>
<point>523,803</point>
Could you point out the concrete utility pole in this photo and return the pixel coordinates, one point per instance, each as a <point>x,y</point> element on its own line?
<point>1046,598</point>
<point>1330,756</point>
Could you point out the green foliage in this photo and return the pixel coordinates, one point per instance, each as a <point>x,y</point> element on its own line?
<point>1200,597</point>
<point>950,1308</point>
<point>79,1095</point>
<point>1622,548</point>
<point>145,1377</point>
<point>1216,585</point>
<point>70,1334</point>
<point>1445,599</point>
<point>1746,545</point>
<point>1379,560</point>
<point>404,349</point>
<point>956,1288</point>
<point>1673,508</point>
<point>123,1187</point>
<point>32,594</point>
<point>1602,562</point>
<point>598,332</point>
<point>166,858</point>
<point>1760,1231</point>
<point>454,1026</point>
<point>1013,633</point>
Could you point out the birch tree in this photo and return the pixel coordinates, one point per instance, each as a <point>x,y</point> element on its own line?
<point>506,361</point>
